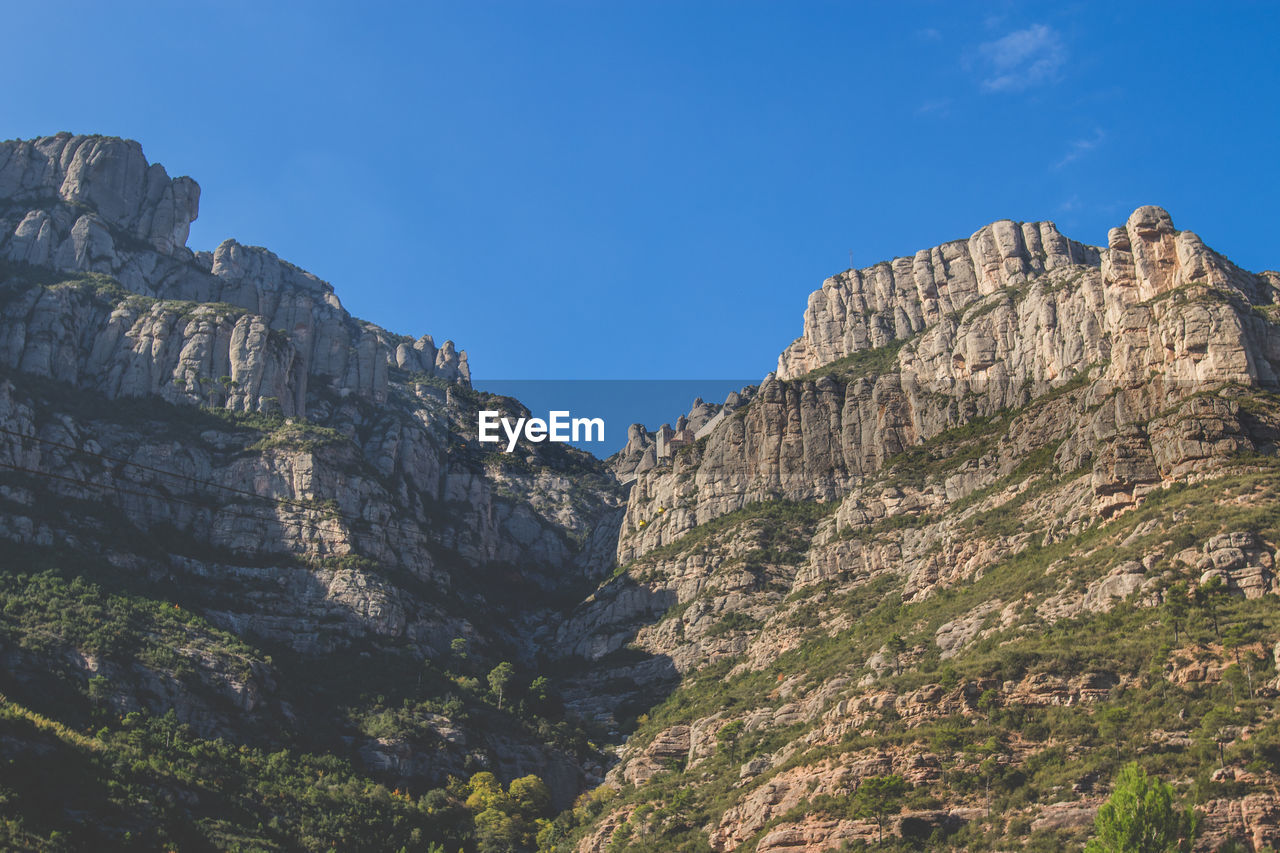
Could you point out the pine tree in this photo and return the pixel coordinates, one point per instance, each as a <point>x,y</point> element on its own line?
<point>877,798</point>
<point>1140,817</point>
<point>1176,607</point>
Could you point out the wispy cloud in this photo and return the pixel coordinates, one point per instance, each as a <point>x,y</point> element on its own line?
<point>1023,59</point>
<point>1081,147</point>
<point>929,34</point>
<point>936,107</point>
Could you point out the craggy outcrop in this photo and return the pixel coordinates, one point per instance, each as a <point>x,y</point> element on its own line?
<point>987,325</point>
<point>218,423</point>
<point>90,204</point>
<point>964,449</point>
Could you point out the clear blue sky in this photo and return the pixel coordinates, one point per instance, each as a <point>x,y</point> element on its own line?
<point>651,189</point>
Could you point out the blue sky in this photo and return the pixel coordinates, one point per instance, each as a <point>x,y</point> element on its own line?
<point>651,189</point>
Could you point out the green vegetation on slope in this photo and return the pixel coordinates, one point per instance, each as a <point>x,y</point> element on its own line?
<point>996,747</point>
<point>863,363</point>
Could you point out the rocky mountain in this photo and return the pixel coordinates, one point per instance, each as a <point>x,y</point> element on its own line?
<point>645,450</point>
<point>215,432</point>
<point>886,564</point>
<point>896,354</point>
<point>1004,519</point>
<point>94,205</point>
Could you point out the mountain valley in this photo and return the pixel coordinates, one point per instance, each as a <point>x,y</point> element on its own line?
<point>1004,519</point>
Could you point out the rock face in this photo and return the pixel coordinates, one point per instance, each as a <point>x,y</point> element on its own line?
<point>642,451</point>
<point>111,179</point>
<point>834,569</point>
<point>1242,561</point>
<point>244,331</point>
<point>1104,353</point>
<point>94,205</point>
<point>988,439</point>
<point>217,423</point>
<point>667,748</point>
<point>969,329</point>
<point>866,309</point>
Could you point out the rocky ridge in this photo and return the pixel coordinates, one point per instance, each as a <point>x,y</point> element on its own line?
<point>1018,313</point>
<point>302,479</point>
<point>1047,437</point>
<point>94,205</point>
<point>946,540</point>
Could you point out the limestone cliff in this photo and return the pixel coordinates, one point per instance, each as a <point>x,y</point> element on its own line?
<point>911,553</point>
<point>870,308</point>
<point>996,497</point>
<point>217,426</point>
<point>88,204</point>
<point>898,353</point>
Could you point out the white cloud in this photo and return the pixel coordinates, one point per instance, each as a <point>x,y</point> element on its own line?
<point>1081,147</point>
<point>929,34</point>
<point>936,107</point>
<point>1023,59</point>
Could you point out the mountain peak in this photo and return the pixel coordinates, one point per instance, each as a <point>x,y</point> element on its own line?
<point>92,206</point>
<point>109,176</point>
<point>865,309</point>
